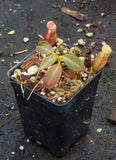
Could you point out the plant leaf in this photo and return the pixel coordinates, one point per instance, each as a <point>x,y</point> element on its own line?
<point>48,61</point>
<point>74,63</point>
<point>52,75</point>
<point>44,47</point>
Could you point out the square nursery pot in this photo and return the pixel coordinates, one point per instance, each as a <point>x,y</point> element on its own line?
<point>56,126</point>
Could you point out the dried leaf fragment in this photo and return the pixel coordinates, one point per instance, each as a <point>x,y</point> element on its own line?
<point>70,74</point>
<point>29,62</point>
<point>74,14</point>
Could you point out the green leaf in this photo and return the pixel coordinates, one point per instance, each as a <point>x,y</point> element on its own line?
<point>48,61</point>
<point>11,32</point>
<point>99,130</point>
<point>74,63</point>
<point>44,47</point>
<point>52,75</point>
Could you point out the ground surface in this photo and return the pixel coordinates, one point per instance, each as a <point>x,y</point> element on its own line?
<point>28,18</point>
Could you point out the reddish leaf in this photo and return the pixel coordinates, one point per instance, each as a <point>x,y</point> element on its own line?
<point>52,76</point>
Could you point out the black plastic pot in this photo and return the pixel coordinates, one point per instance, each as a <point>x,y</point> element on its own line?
<point>56,126</point>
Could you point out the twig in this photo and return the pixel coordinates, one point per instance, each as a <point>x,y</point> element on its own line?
<point>24,51</point>
<point>90,139</point>
<point>88,78</point>
<point>22,89</point>
<point>41,36</point>
<point>99,23</point>
<point>2,125</point>
<point>33,90</point>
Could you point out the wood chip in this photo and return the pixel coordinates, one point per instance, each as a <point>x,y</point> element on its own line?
<point>74,14</point>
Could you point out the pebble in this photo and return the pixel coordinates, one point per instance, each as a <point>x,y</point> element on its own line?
<point>82,59</point>
<point>88,25</point>
<point>92,57</point>
<point>21,148</point>
<point>2,60</point>
<point>16,62</point>
<point>42,93</point>
<point>104,43</point>
<point>28,140</point>
<point>102,14</point>
<point>112,117</point>
<point>10,9</point>
<point>79,30</point>
<point>64,51</point>
<point>89,34</point>
<point>12,153</point>
<point>81,42</point>
<point>32,78</point>
<point>32,70</point>
<point>59,99</point>
<point>52,92</point>
<point>25,39</point>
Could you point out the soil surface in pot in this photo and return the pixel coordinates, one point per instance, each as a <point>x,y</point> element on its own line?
<point>28,19</point>
<point>70,81</point>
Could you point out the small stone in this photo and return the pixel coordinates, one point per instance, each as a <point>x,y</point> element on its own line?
<point>92,57</point>
<point>112,117</point>
<point>77,24</point>
<point>10,10</point>
<point>32,78</point>
<point>42,93</point>
<point>79,30</point>
<point>2,60</point>
<point>32,69</point>
<point>52,92</point>
<point>12,153</point>
<point>21,148</point>
<point>104,43</point>
<point>59,99</point>
<point>28,140</point>
<point>64,51</point>
<point>82,59</point>
<point>84,79</point>
<point>102,14</point>
<point>88,25</point>
<point>26,39</point>
<point>90,34</point>
<point>81,42</point>
<point>16,62</point>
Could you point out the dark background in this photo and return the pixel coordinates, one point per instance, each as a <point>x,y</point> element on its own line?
<point>28,19</point>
